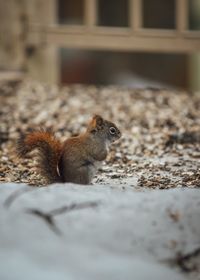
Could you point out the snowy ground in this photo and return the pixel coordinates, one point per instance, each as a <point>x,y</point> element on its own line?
<point>98,232</point>
<point>140,219</point>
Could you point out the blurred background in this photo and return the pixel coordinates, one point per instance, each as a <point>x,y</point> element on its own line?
<point>137,43</point>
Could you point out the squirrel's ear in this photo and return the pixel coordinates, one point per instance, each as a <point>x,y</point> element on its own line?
<point>96,122</point>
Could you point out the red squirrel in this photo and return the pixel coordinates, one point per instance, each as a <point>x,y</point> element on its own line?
<point>77,159</point>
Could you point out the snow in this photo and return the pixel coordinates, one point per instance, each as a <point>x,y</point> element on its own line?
<point>120,234</point>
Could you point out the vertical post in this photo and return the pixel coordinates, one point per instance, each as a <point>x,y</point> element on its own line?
<point>194,58</point>
<point>90,13</point>
<point>43,63</point>
<point>135,14</point>
<point>181,15</point>
<point>11,35</point>
<point>194,71</point>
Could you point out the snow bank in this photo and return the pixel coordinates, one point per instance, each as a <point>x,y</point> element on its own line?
<point>95,232</point>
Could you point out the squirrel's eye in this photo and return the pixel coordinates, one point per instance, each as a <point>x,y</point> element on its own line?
<point>112,130</point>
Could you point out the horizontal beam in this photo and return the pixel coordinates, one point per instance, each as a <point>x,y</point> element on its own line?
<point>119,39</point>
<point>112,31</point>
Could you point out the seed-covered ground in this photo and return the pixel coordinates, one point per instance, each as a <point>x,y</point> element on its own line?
<point>160,147</point>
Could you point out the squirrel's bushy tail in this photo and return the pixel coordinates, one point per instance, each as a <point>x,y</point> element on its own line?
<point>49,149</point>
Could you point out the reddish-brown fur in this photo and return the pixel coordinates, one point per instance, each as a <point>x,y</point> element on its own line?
<point>50,150</point>
<point>77,159</point>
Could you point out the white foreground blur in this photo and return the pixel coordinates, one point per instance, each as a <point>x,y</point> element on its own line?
<point>127,235</point>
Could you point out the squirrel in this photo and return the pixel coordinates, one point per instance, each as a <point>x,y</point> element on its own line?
<point>78,158</point>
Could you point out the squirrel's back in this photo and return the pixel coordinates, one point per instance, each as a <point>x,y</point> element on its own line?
<point>49,148</point>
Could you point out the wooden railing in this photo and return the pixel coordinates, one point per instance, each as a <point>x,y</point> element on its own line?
<point>132,38</point>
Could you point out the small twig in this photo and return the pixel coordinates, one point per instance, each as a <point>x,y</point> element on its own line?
<point>182,259</point>
<point>14,195</point>
<point>72,207</point>
<point>47,218</point>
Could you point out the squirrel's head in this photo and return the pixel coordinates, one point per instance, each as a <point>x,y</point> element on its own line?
<point>104,129</point>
